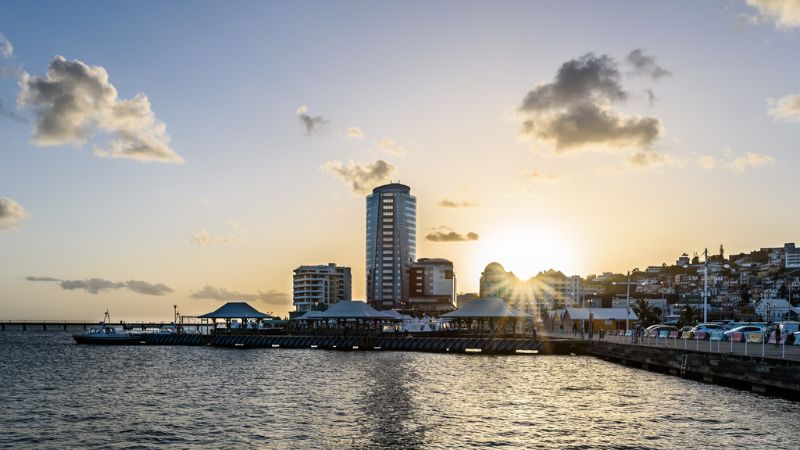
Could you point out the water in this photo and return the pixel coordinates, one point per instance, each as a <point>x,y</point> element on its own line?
<point>56,394</point>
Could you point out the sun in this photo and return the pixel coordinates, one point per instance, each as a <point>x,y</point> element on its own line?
<point>527,251</point>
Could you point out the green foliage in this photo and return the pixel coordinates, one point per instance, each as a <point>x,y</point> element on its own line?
<point>645,311</point>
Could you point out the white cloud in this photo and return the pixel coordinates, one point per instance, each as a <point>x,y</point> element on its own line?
<point>785,13</point>
<point>11,214</point>
<point>203,238</point>
<point>785,108</point>
<point>360,177</point>
<point>75,101</point>
<point>388,145</point>
<point>6,49</point>
<point>535,175</point>
<point>749,161</point>
<point>354,132</point>
<point>707,162</point>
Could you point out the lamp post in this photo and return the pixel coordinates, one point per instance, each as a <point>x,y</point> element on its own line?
<point>705,285</point>
<point>590,318</point>
<point>627,301</point>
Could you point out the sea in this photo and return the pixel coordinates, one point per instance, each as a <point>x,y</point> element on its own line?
<point>57,394</point>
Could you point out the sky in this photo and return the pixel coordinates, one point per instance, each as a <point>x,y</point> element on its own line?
<point>184,153</point>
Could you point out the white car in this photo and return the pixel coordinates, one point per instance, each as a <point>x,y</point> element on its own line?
<point>744,329</point>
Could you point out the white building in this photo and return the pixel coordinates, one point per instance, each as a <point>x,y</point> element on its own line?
<point>319,287</point>
<point>431,286</point>
<point>773,309</point>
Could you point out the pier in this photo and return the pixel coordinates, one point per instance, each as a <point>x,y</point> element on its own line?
<point>484,345</point>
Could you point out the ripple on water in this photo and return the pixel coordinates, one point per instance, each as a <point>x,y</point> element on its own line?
<point>57,394</point>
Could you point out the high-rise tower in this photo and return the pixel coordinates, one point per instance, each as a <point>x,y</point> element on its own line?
<point>391,244</point>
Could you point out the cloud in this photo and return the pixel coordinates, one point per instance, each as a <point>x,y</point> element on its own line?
<point>646,159</point>
<point>354,132</point>
<point>75,102</point>
<point>98,285</point>
<point>5,112</point>
<point>446,234</point>
<point>785,13</point>
<point>311,124</point>
<point>361,177</point>
<point>786,108</point>
<point>707,162</point>
<point>535,175</point>
<point>445,203</point>
<point>142,287</point>
<point>91,285</point>
<point>270,297</point>
<point>574,111</point>
<point>6,49</point>
<point>391,147</point>
<point>34,278</point>
<point>749,161</point>
<point>11,214</point>
<point>203,238</point>
<point>643,64</point>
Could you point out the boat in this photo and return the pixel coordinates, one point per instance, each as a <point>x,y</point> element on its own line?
<point>106,334</point>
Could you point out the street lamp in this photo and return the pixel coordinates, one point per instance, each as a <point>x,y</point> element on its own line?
<point>590,318</point>
<point>627,300</point>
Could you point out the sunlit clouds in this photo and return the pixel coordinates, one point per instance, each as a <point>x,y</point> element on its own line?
<point>75,101</point>
<point>786,108</point>
<point>361,177</point>
<point>749,160</point>
<point>391,147</point>
<point>354,132</point>
<point>11,214</point>
<point>785,13</point>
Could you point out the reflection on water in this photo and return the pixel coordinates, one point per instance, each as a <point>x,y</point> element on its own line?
<point>56,394</point>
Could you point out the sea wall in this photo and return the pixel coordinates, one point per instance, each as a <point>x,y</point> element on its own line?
<point>770,376</point>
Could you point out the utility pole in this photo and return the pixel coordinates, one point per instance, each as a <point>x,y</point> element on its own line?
<point>628,303</point>
<point>705,286</point>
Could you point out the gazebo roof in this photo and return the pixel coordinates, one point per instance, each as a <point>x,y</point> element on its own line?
<point>236,310</point>
<point>353,309</point>
<point>309,315</point>
<point>490,307</point>
<point>397,314</point>
<point>600,313</point>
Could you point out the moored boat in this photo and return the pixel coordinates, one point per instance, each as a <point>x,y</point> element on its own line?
<point>106,334</point>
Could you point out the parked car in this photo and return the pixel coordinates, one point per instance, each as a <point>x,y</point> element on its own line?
<point>660,328</point>
<point>707,328</point>
<point>744,329</point>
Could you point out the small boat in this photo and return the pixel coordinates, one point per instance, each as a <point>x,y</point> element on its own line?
<point>106,334</point>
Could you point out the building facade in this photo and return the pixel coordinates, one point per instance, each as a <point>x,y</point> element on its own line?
<point>431,286</point>
<point>391,245</point>
<point>319,287</point>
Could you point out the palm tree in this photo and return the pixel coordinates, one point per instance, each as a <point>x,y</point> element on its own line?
<point>646,313</point>
<point>689,316</point>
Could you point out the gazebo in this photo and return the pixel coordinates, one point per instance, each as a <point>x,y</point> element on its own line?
<point>491,309</point>
<point>355,312</point>
<point>235,310</point>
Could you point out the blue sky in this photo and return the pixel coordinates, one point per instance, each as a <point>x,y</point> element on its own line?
<point>443,80</point>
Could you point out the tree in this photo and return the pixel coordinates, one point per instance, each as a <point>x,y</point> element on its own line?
<point>645,311</point>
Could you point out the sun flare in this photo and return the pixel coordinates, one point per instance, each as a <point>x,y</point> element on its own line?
<point>526,251</point>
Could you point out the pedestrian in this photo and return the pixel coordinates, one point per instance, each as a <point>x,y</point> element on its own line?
<point>574,328</point>
<point>777,335</point>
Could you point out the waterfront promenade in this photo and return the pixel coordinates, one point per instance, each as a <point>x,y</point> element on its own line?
<point>789,352</point>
